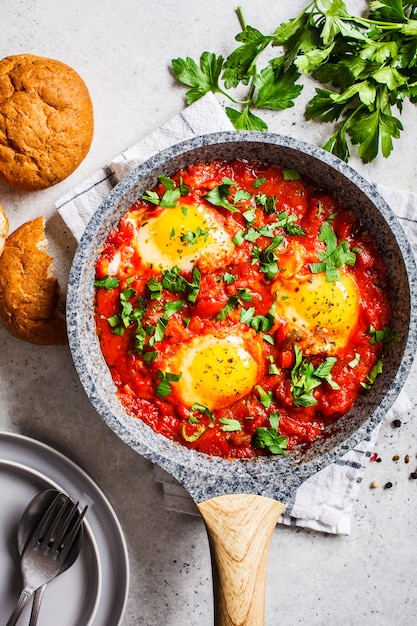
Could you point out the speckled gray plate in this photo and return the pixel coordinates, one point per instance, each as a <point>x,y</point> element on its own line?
<point>205,477</point>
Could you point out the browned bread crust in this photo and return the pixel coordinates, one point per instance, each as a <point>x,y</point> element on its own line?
<point>29,292</point>
<point>46,121</point>
<point>4,228</point>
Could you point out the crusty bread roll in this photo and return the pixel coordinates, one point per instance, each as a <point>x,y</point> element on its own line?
<point>29,292</point>
<point>4,228</point>
<point>46,121</point>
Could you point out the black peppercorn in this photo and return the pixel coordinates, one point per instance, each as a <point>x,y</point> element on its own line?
<point>396,423</point>
<point>388,485</point>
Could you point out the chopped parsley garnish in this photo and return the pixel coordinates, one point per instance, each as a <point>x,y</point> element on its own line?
<point>242,295</point>
<point>258,182</point>
<point>174,282</point>
<point>354,362</point>
<point>230,305</point>
<point>158,332</point>
<point>229,278</point>
<point>164,387</point>
<point>371,377</point>
<point>170,197</point>
<point>265,397</point>
<point>267,257</point>
<point>269,203</point>
<point>108,282</point>
<point>230,425</point>
<point>291,175</point>
<point>288,223</point>
<point>197,407</point>
<point>385,335</point>
<point>273,369</point>
<point>192,237</point>
<point>155,288</point>
<point>129,312</point>
<point>260,323</point>
<point>219,195</point>
<point>304,378</point>
<point>270,438</point>
<point>335,256</point>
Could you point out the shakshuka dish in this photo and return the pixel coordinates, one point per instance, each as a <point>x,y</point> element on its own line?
<point>241,308</point>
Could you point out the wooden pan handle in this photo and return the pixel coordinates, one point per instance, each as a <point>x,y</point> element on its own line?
<point>240,528</point>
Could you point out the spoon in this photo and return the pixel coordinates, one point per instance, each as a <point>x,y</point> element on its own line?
<point>28,522</point>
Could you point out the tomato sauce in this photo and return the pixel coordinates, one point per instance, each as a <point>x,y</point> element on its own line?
<point>293,243</point>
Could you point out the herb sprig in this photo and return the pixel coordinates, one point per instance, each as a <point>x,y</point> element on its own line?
<point>369,64</point>
<point>270,438</point>
<point>305,378</point>
<point>335,256</point>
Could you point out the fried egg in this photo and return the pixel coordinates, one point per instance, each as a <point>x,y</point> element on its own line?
<point>183,236</point>
<point>216,369</point>
<point>320,314</point>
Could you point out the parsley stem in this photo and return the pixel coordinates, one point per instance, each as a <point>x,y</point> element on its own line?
<point>241,18</point>
<point>248,101</point>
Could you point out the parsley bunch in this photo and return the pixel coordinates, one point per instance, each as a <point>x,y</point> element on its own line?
<point>367,67</point>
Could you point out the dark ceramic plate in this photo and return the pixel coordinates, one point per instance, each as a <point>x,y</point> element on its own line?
<point>274,477</point>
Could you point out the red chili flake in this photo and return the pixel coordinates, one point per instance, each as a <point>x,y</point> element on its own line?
<point>406,459</point>
<point>374,457</point>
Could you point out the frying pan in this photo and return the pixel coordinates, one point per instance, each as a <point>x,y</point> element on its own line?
<point>242,500</point>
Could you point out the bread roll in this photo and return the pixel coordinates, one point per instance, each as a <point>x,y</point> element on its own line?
<point>4,228</point>
<point>46,121</point>
<point>29,292</point>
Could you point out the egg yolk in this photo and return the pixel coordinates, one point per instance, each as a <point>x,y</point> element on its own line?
<point>216,371</point>
<point>183,235</point>
<point>324,312</point>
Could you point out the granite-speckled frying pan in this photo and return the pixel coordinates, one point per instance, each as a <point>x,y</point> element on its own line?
<point>241,500</point>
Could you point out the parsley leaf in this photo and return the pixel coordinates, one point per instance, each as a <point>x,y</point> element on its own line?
<point>270,438</point>
<point>170,197</point>
<point>192,237</point>
<point>164,387</point>
<point>371,377</point>
<point>108,282</point>
<point>202,78</point>
<point>265,397</point>
<point>241,64</point>
<point>386,335</point>
<point>230,425</point>
<point>276,88</point>
<point>197,407</point>
<point>367,65</point>
<point>245,120</point>
<point>219,195</point>
<point>174,282</point>
<point>336,255</point>
<point>267,257</point>
<point>304,378</point>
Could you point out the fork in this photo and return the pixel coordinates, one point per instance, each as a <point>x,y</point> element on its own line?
<point>48,548</point>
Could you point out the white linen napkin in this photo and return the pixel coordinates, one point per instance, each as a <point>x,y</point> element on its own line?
<point>325,501</point>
